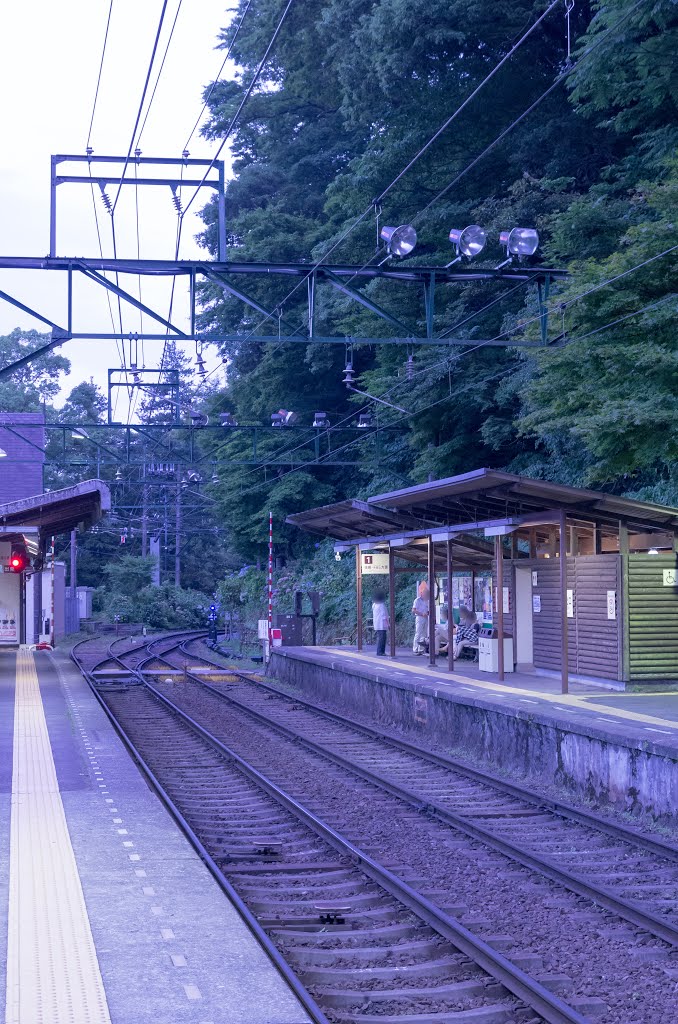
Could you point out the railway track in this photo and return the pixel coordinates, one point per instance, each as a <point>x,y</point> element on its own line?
<point>364,942</point>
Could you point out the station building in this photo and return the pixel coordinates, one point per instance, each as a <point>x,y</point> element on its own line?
<point>32,602</point>
<point>568,581</point>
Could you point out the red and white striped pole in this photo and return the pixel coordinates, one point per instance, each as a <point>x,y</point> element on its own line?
<point>270,579</point>
<point>52,630</point>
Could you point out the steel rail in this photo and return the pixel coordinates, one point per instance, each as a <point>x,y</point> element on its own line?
<point>558,807</point>
<point>602,897</point>
<point>532,993</point>
<point>289,976</point>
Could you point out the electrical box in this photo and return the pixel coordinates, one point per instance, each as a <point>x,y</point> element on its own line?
<point>488,652</point>
<point>290,625</point>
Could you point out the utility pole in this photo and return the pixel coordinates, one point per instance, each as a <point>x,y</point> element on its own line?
<point>74,570</point>
<point>177,533</point>
<point>144,521</point>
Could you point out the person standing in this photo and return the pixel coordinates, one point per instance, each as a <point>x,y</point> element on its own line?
<point>380,621</point>
<point>420,612</point>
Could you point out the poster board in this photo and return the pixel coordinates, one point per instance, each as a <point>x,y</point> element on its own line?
<point>9,607</point>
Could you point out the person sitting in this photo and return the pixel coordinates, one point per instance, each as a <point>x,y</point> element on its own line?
<point>442,630</point>
<point>466,633</point>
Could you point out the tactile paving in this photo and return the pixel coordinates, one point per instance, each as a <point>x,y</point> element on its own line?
<point>53,974</point>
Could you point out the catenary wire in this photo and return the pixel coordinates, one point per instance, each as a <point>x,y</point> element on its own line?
<point>141,104</point>
<point>218,76</point>
<point>561,78</point>
<point>101,67</point>
<point>162,65</point>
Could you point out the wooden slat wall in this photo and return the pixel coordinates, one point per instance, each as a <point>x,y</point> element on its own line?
<point>598,638</point>
<point>546,624</point>
<point>593,640</point>
<point>652,618</point>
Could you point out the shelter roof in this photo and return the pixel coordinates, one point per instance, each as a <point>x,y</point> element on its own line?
<point>58,511</point>
<point>473,500</point>
<point>486,494</point>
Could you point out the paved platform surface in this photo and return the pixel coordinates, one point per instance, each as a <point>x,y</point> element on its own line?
<point>649,720</point>
<point>107,862</point>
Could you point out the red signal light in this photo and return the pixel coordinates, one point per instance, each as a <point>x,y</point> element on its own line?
<point>18,560</point>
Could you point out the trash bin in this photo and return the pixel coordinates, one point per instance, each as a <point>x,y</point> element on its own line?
<point>488,651</point>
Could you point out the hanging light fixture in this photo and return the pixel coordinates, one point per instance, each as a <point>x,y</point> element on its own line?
<point>400,241</point>
<point>469,241</point>
<point>320,421</point>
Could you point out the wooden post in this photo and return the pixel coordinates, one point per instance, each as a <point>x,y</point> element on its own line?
<point>359,596</point>
<point>533,542</point>
<point>499,557</point>
<point>391,601</point>
<point>563,603</point>
<point>431,603</point>
<point>450,617</point>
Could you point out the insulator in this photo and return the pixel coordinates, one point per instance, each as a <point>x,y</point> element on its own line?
<point>137,152</point>
<point>105,199</point>
<point>410,367</point>
<point>89,151</point>
<point>185,154</point>
<point>177,201</point>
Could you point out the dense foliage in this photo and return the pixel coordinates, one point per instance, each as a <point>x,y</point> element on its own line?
<point>584,149</point>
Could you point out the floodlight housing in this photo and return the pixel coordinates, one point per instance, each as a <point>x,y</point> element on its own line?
<point>365,420</point>
<point>79,435</point>
<point>320,421</point>
<point>228,419</point>
<point>3,453</point>
<point>520,242</point>
<point>400,241</point>
<point>469,241</point>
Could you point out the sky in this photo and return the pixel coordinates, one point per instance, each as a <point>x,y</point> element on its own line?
<point>49,61</point>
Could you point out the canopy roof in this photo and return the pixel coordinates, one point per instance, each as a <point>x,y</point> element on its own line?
<point>473,501</point>
<point>57,511</point>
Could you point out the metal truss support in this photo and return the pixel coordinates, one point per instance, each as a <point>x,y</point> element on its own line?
<point>226,276</point>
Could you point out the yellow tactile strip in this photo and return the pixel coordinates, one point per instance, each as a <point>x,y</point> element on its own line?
<point>53,974</point>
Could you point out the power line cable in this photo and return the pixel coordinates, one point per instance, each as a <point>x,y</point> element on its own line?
<point>157,81</point>
<point>500,137</point>
<point>218,76</point>
<point>244,100</point>
<point>141,104</point>
<point>101,67</point>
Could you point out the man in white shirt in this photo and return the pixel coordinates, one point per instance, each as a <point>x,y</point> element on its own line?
<point>420,612</point>
<point>380,621</point>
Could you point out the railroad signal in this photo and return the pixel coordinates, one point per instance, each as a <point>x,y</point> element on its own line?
<point>19,560</point>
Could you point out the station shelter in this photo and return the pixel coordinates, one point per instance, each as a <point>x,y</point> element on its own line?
<point>570,581</point>
<point>32,601</point>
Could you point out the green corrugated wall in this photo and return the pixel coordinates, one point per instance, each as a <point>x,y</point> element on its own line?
<point>651,619</point>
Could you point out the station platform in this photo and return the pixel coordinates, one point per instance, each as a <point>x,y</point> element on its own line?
<point>615,747</point>
<point>107,915</point>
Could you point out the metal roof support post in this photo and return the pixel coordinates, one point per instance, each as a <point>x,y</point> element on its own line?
<point>359,596</point>
<point>431,602</point>
<point>450,616</point>
<point>563,603</point>
<point>391,601</point>
<point>499,557</point>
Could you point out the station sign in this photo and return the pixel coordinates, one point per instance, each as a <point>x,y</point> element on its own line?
<point>374,563</point>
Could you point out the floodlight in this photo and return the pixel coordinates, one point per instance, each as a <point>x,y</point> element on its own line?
<point>400,241</point>
<point>198,419</point>
<point>469,241</point>
<point>118,474</point>
<point>320,421</point>
<point>276,419</point>
<point>79,435</point>
<point>3,453</point>
<point>520,242</point>
<point>283,418</point>
<point>653,551</point>
<point>228,419</point>
<point>365,420</point>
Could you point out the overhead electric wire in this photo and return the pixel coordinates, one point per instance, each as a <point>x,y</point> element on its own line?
<point>141,104</point>
<point>218,76</point>
<point>244,100</point>
<point>101,67</point>
<point>417,412</point>
<point>157,81</point>
<point>560,78</point>
<point>450,360</point>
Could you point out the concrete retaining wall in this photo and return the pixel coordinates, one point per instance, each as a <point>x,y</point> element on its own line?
<point>592,764</point>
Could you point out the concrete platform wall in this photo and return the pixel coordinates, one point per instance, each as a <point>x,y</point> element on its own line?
<point>631,775</point>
